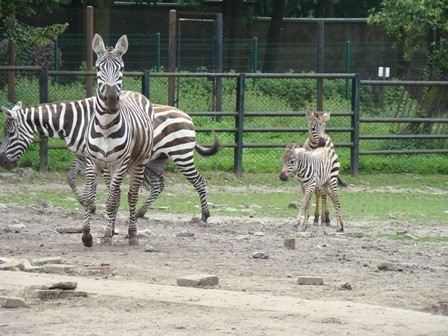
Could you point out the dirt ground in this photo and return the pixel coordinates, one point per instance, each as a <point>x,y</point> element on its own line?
<point>372,286</point>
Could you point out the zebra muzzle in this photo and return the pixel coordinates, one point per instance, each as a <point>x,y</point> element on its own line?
<point>283,176</point>
<point>7,163</point>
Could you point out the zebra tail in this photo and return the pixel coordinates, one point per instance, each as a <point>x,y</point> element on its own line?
<point>209,151</point>
<point>341,183</point>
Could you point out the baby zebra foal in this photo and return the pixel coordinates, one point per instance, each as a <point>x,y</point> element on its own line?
<point>314,169</point>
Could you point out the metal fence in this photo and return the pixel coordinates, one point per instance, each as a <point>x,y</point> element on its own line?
<point>304,45</point>
<point>255,115</point>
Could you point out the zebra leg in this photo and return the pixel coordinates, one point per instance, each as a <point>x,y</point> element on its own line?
<point>78,165</point>
<point>136,182</point>
<point>157,186</point>
<point>316,210</point>
<point>200,185</point>
<point>337,206</point>
<point>89,202</point>
<point>304,205</point>
<point>325,212</point>
<point>112,204</point>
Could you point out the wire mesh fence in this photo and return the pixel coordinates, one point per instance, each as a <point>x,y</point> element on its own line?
<point>247,45</point>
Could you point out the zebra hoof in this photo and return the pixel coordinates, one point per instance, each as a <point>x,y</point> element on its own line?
<point>133,242</point>
<point>140,213</point>
<point>341,229</point>
<point>204,217</point>
<point>87,240</point>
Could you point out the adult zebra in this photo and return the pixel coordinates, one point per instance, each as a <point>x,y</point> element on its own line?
<point>174,138</point>
<point>119,139</point>
<point>318,138</point>
<point>314,169</point>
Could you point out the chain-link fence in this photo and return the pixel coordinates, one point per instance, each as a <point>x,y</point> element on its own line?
<point>396,120</point>
<point>345,45</point>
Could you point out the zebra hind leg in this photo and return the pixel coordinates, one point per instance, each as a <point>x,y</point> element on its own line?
<point>200,185</point>
<point>325,213</point>
<point>337,206</point>
<point>156,184</point>
<point>304,205</point>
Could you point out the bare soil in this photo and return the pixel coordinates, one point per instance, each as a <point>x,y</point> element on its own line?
<point>372,286</point>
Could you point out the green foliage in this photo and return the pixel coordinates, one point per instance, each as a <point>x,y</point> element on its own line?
<point>410,21</point>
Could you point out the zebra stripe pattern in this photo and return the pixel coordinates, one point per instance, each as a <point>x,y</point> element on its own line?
<point>119,139</point>
<point>314,169</point>
<point>68,121</point>
<point>318,138</point>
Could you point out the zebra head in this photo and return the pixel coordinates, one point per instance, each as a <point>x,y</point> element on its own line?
<point>16,138</point>
<point>290,160</point>
<point>109,65</point>
<point>317,126</point>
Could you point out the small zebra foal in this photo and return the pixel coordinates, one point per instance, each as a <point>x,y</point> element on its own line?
<point>318,138</point>
<point>314,169</point>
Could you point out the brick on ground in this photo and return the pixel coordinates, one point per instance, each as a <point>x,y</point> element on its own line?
<point>197,280</point>
<point>310,280</point>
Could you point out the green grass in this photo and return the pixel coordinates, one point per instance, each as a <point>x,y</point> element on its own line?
<point>368,199</point>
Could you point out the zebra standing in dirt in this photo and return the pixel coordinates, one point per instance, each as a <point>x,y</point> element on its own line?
<point>119,139</point>
<point>318,138</point>
<point>68,121</point>
<point>314,169</point>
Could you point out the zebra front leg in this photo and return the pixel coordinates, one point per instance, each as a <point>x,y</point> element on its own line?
<point>89,202</point>
<point>325,213</point>
<point>316,210</point>
<point>304,204</point>
<point>135,184</point>
<point>112,204</point>
<point>157,186</point>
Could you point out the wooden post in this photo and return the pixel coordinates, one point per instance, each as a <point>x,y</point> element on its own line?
<point>89,50</point>
<point>11,62</point>
<point>218,62</point>
<point>354,153</point>
<point>172,56</point>
<point>320,64</point>
<point>239,125</point>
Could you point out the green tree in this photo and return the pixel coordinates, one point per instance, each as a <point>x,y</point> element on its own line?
<point>19,32</point>
<point>413,23</point>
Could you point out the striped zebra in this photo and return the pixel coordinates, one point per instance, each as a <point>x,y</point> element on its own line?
<point>314,169</point>
<point>318,138</point>
<point>68,121</point>
<point>118,140</point>
<point>175,139</point>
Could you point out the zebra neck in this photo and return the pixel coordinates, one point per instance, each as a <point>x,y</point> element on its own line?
<point>106,121</point>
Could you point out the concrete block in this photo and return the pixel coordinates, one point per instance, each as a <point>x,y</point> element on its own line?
<point>310,280</point>
<point>198,280</point>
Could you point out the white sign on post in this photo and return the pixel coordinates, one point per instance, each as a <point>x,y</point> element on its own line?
<point>383,72</point>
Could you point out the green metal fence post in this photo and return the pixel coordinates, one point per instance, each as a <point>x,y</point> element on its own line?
<point>255,58</point>
<point>347,68</point>
<point>56,58</point>
<point>43,145</point>
<point>158,52</point>
<point>354,151</point>
<point>239,125</point>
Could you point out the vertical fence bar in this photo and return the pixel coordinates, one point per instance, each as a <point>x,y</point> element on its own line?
<point>347,68</point>
<point>146,84</point>
<point>239,124</point>
<point>255,58</point>
<point>158,52</point>
<point>354,151</point>
<point>320,64</point>
<point>11,62</point>
<point>43,98</point>
<point>172,56</point>
<point>218,61</point>
<point>89,50</point>
<point>56,58</point>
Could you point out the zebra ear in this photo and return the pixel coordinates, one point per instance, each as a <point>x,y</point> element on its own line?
<point>122,45</point>
<point>17,106</point>
<point>11,114</point>
<point>98,45</point>
<point>309,114</point>
<point>326,116</point>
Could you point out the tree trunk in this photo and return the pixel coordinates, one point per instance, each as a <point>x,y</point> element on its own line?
<point>273,38</point>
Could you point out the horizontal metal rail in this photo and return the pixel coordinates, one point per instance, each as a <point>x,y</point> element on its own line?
<point>410,151</point>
